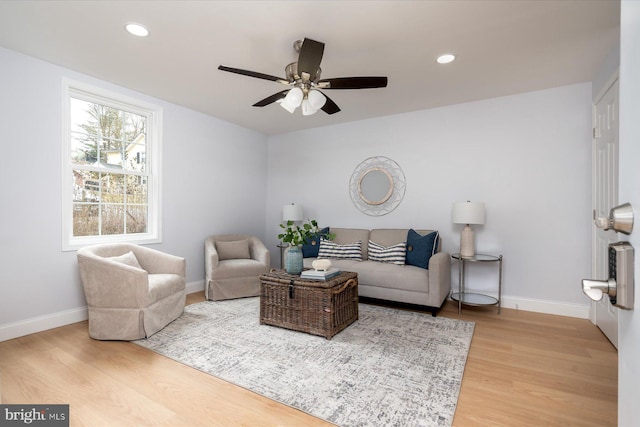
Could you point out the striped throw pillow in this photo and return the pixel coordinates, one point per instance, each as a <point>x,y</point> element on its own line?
<point>329,250</point>
<point>394,254</point>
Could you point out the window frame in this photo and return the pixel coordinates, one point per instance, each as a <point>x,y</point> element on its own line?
<point>153,139</point>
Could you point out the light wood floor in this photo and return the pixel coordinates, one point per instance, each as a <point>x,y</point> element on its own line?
<point>524,369</point>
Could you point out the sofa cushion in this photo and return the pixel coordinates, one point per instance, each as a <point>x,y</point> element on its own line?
<point>381,274</point>
<point>229,268</point>
<point>238,249</point>
<point>420,248</point>
<point>331,250</point>
<point>310,247</point>
<point>394,254</point>
<point>164,285</point>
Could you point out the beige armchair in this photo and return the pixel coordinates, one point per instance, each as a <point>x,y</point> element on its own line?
<point>132,291</point>
<point>233,264</point>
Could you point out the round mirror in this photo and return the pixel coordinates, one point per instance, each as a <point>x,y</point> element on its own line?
<point>375,186</point>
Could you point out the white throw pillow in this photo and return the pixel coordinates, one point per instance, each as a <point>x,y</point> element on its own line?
<point>129,259</point>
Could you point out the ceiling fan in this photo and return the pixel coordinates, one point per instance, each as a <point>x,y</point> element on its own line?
<point>303,78</point>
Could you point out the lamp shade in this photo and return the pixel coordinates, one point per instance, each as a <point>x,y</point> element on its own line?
<point>292,100</point>
<point>467,213</point>
<point>311,103</point>
<point>317,99</point>
<point>307,108</point>
<point>292,212</point>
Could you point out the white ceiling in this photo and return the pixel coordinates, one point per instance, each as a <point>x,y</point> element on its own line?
<point>502,47</point>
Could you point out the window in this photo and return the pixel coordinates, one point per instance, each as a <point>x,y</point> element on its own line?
<point>111,184</point>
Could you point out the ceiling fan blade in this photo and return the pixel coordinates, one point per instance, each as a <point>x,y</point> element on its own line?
<point>253,74</point>
<point>271,99</point>
<point>330,107</point>
<point>353,83</point>
<point>310,57</point>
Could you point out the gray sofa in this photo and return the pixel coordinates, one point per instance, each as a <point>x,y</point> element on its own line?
<point>399,283</point>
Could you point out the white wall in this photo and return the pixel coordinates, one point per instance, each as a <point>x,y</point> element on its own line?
<point>528,157</point>
<point>629,321</point>
<point>607,72</point>
<point>214,181</point>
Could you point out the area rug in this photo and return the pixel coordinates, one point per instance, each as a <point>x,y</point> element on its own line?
<point>389,368</point>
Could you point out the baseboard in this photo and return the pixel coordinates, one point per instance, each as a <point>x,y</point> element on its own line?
<point>55,320</point>
<point>193,287</point>
<point>547,307</point>
<point>42,323</point>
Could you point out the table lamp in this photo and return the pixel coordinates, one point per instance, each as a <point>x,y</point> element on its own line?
<point>467,213</point>
<point>292,212</point>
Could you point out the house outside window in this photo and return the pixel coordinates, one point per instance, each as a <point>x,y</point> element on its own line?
<point>111,184</point>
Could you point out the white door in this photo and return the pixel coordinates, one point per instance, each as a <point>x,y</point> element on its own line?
<point>605,196</point>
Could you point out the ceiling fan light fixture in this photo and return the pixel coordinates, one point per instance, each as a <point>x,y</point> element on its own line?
<point>292,100</point>
<point>303,80</point>
<point>446,58</point>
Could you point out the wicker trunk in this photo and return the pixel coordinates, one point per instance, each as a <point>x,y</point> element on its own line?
<point>313,306</point>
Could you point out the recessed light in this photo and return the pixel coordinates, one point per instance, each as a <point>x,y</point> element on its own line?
<point>137,29</point>
<point>445,59</point>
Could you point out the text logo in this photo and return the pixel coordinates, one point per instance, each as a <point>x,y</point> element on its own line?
<point>34,415</point>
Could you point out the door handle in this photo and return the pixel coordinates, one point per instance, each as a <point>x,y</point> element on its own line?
<point>619,286</point>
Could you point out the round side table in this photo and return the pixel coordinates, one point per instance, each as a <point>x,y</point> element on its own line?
<point>472,298</point>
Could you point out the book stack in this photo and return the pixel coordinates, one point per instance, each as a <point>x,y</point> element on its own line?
<point>320,274</point>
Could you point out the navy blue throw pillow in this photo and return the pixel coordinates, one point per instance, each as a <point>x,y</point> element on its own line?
<point>421,248</point>
<point>311,246</point>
